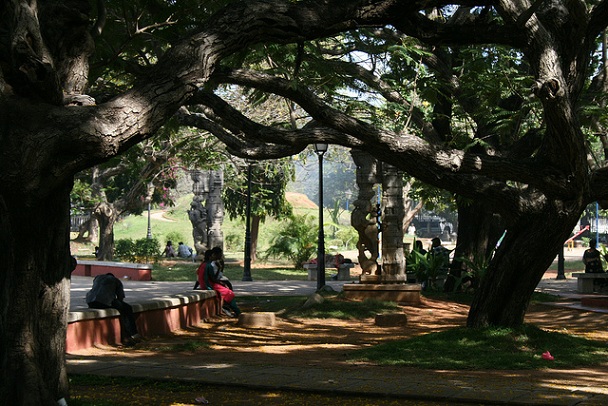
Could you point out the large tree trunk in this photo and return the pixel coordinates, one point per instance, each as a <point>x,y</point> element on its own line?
<point>106,215</point>
<point>528,249</point>
<point>255,232</point>
<point>35,290</point>
<point>478,233</point>
<point>88,231</point>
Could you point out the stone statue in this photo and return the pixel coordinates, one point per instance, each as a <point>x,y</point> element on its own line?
<point>198,218</point>
<point>363,217</point>
<point>207,209</point>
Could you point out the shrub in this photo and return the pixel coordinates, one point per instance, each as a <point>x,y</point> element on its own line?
<point>146,249</point>
<point>234,241</point>
<point>125,250</point>
<point>297,241</point>
<point>143,249</point>
<point>175,237</point>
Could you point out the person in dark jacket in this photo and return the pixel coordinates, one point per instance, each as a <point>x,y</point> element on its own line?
<point>592,258</point>
<point>108,293</point>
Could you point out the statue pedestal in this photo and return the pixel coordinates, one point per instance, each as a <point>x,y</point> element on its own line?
<point>408,293</point>
<point>384,278</point>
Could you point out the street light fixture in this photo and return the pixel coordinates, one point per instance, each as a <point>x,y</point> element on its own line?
<point>321,149</point>
<point>247,263</point>
<point>149,234</point>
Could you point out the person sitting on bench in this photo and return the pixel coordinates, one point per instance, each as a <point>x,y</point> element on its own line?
<point>108,293</point>
<point>592,258</point>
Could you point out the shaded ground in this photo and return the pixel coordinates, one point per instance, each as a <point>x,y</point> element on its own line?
<point>327,342</point>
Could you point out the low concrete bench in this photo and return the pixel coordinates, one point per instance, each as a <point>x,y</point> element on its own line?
<point>136,272</point>
<point>585,282</point>
<point>90,327</point>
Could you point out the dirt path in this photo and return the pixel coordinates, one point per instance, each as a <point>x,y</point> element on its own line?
<point>301,341</point>
<point>327,344</point>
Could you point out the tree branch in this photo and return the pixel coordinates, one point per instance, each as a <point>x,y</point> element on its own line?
<point>598,20</point>
<point>429,163</point>
<point>472,31</point>
<point>239,146</point>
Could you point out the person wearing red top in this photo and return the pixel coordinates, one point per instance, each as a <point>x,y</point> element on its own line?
<point>207,272</point>
<point>201,268</point>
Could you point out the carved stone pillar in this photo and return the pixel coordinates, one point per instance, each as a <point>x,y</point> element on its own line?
<point>393,257</point>
<point>215,210</point>
<point>390,283</point>
<point>207,210</point>
<point>198,211</point>
<point>363,216</point>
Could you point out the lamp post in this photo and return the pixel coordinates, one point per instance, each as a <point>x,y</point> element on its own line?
<point>321,149</point>
<point>149,235</point>
<point>560,264</point>
<point>247,262</point>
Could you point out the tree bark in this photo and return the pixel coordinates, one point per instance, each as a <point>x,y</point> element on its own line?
<point>106,215</point>
<point>478,233</point>
<point>88,231</point>
<point>45,143</point>
<point>35,292</point>
<point>255,232</point>
<point>526,252</point>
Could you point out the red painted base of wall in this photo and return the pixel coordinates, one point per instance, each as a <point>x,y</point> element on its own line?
<point>136,272</point>
<point>86,333</point>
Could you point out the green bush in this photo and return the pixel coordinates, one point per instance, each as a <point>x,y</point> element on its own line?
<point>234,241</point>
<point>147,249</point>
<point>297,241</point>
<point>125,250</point>
<point>174,237</point>
<point>143,249</point>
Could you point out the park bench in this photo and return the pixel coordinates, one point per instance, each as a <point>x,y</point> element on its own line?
<point>136,272</point>
<point>92,327</point>
<point>587,282</point>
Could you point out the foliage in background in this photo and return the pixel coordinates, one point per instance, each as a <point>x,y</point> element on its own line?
<point>476,269</point>
<point>297,241</point>
<point>339,184</point>
<point>429,269</point>
<point>175,237</point>
<point>141,250</point>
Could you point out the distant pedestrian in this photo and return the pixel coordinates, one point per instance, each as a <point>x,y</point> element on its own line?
<point>108,293</point>
<point>438,250</point>
<point>169,251</point>
<point>183,251</point>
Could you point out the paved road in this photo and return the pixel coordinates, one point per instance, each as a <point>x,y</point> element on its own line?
<point>137,291</point>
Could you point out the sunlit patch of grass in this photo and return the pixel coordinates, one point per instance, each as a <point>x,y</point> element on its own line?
<point>489,348</point>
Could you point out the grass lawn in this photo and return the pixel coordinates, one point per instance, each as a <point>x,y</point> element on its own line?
<point>489,348</point>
